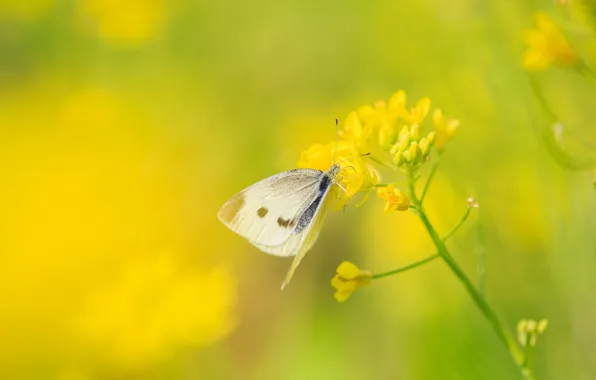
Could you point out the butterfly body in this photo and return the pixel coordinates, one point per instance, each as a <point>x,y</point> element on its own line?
<point>282,214</point>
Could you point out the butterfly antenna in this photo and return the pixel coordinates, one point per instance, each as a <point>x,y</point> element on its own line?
<point>336,140</point>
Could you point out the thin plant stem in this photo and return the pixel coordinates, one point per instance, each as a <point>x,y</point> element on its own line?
<point>458,225</point>
<point>502,333</point>
<point>529,356</point>
<point>585,71</point>
<point>406,267</point>
<point>388,184</point>
<point>481,260</point>
<point>425,260</point>
<point>381,162</point>
<point>431,174</point>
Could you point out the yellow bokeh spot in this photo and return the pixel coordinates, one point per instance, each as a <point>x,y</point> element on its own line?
<point>156,307</point>
<point>124,23</point>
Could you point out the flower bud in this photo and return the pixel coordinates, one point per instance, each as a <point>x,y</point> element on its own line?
<point>405,129</point>
<point>394,149</point>
<point>542,326</point>
<point>415,155</point>
<point>431,137</point>
<point>398,159</point>
<point>424,147</point>
<point>415,132</point>
<point>404,142</point>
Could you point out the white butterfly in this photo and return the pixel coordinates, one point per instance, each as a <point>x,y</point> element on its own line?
<point>283,214</point>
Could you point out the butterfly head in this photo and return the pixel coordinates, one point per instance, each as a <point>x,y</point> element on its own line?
<point>334,170</point>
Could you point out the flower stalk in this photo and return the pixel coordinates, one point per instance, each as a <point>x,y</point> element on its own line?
<point>415,264</point>
<point>502,333</point>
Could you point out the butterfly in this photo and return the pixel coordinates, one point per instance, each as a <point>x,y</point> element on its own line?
<point>282,215</point>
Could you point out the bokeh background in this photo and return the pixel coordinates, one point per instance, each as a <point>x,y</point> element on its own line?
<point>125,125</point>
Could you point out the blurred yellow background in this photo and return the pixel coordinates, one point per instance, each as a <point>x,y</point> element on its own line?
<point>125,125</point>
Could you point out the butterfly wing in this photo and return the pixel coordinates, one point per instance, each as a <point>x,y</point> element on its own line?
<point>267,213</point>
<point>299,244</point>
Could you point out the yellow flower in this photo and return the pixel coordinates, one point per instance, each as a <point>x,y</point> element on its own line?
<point>347,279</point>
<point>445,129</point>
<point>355,174</point>
<point>417,113</point>
<point>376,122</point>
<point>396,199</point>
<point>317,156</point>
<point>546,45</point>
<point>358,131</point>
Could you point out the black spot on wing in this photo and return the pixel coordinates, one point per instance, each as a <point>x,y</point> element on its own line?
<point>262,212</point>
<point>286,223</point>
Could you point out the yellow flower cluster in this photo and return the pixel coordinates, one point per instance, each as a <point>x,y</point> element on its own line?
<point>528,331</point>
<point>347,279</point>
<point>546,46</point>
<point>388,133</point>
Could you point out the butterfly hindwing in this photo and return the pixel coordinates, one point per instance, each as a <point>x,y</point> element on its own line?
<point>268,212</point>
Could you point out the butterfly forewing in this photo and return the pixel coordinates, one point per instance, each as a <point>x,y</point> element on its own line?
<point>310,234</point>
<point>268,212</point>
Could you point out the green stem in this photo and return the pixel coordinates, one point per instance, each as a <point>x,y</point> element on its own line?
<point>427,259</point>
<point>458,225</point>
<point>406,267</point>
<point>529,356</point>
<point>387,184</point>
<point>381,162</point>
<point>585,70</point>
<point>502,333</point>
<point>481,259</point>
<point>431,174</point>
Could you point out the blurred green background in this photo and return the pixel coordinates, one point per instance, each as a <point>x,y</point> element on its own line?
<point>125,125</point>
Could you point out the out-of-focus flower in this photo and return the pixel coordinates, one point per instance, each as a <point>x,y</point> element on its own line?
<point>396,199</point>
<point>156,308</point>
<point>445,129</point>
<point>124,23</point>
<point>356,130</point>
<point>528,331</point>
<point>347,279</point>
<point>472,202</point>
<point>373,127</point>
<point>546,46</point>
